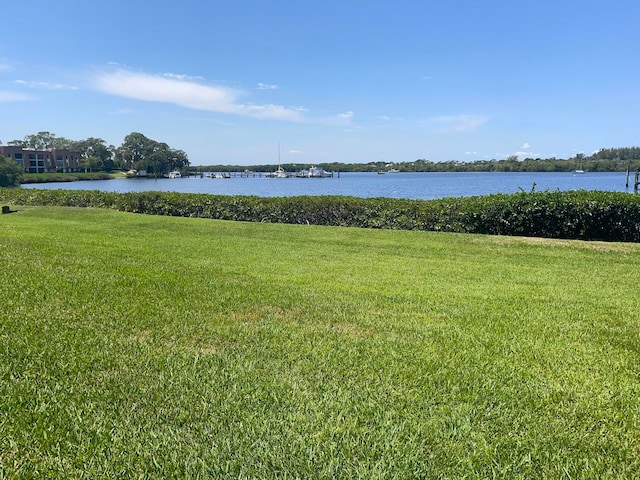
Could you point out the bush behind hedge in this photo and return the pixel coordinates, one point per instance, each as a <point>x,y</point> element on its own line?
<point>584,215</point>
<point>64,177</point>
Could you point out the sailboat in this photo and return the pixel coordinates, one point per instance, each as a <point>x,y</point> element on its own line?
<point>279,173</point>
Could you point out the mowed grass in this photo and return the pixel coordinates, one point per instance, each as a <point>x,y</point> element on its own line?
<point>134,346</point>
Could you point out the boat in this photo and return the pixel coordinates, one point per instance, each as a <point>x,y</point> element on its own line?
<point>317,172</point>
<point>175,174</point>
<point>579,171</point>
<point>279,173</point>
<point>393,170</point>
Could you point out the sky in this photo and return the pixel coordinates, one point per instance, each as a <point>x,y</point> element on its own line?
<point>249,82</point>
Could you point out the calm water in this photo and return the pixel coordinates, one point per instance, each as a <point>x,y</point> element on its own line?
<point>396,185</point>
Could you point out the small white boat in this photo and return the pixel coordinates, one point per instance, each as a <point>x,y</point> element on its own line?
<point>175,174</point>
<point>578,171</point>
<point>317,172</point>
<point>279,173</point>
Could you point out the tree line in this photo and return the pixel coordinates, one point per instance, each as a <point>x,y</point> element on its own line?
<point>137,152</point>
<point>604,160</point>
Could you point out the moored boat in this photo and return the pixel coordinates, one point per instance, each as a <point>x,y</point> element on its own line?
<point>318,172</point>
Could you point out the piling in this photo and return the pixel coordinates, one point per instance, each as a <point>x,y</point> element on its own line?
<point>627,184</point>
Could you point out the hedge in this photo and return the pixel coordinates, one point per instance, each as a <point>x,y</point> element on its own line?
<point>583,215</point>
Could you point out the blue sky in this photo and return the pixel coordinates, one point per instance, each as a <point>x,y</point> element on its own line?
<point>353,81</point>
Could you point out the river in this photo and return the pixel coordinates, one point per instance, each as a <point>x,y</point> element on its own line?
<point>424,186</point>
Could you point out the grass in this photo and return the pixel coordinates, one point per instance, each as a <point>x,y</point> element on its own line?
<point>158,347</point>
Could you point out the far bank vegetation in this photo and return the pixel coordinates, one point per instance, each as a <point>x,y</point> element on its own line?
<point>138,152</point>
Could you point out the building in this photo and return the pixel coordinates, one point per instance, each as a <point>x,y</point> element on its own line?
<point>43,161</point>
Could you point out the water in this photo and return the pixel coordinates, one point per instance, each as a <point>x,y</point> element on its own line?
<point>395,185</point>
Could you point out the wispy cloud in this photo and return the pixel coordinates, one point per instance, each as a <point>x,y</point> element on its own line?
<point>463,123</point>
<point>520,154</point>
<point>187,93</point>
<point>345,115</point>
<point>526,145</point>
<point>388,118</point>
<point>181,76</point>
<point>46,85</point>
<point>265,86</point>
<point>7,96</point>
<point>526,154</point>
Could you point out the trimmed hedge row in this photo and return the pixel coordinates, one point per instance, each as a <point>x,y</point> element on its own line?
<point>63,177</point>
<point>584,215</point>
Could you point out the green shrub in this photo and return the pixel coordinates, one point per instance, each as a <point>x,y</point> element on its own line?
<point>10,172</point>
<point>584,215</point>
<point>64,177</point>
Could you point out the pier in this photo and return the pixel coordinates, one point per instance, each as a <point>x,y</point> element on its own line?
<point>252,174</point>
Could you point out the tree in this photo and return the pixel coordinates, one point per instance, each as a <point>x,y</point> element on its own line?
<point>138,152</point>
<point>96,155</point>
<point>42,141</point>
<point>10,172</point>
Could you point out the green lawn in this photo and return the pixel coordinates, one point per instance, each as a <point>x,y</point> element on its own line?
<point>144,346</point>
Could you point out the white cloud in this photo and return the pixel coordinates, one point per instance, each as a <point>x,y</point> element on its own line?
<point>296,152</point>
<point>181,76</point>
<point>6,97</point>
<point>470,153</point>
<point>186,93</point>
<point>46,85</point>
<point>346,115</point>
<point>526,145</point>
<point>520,154</point>
<point>463,123</point>
<point>264,86</point>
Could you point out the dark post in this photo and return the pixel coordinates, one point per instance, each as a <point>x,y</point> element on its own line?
<point>627,184</point>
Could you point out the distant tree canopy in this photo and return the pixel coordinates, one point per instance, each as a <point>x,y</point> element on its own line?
<point>42,141</point>
<point>141,153</point>
<point>611,160</point>
<point>136,152</point>
<point>10,172</point>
